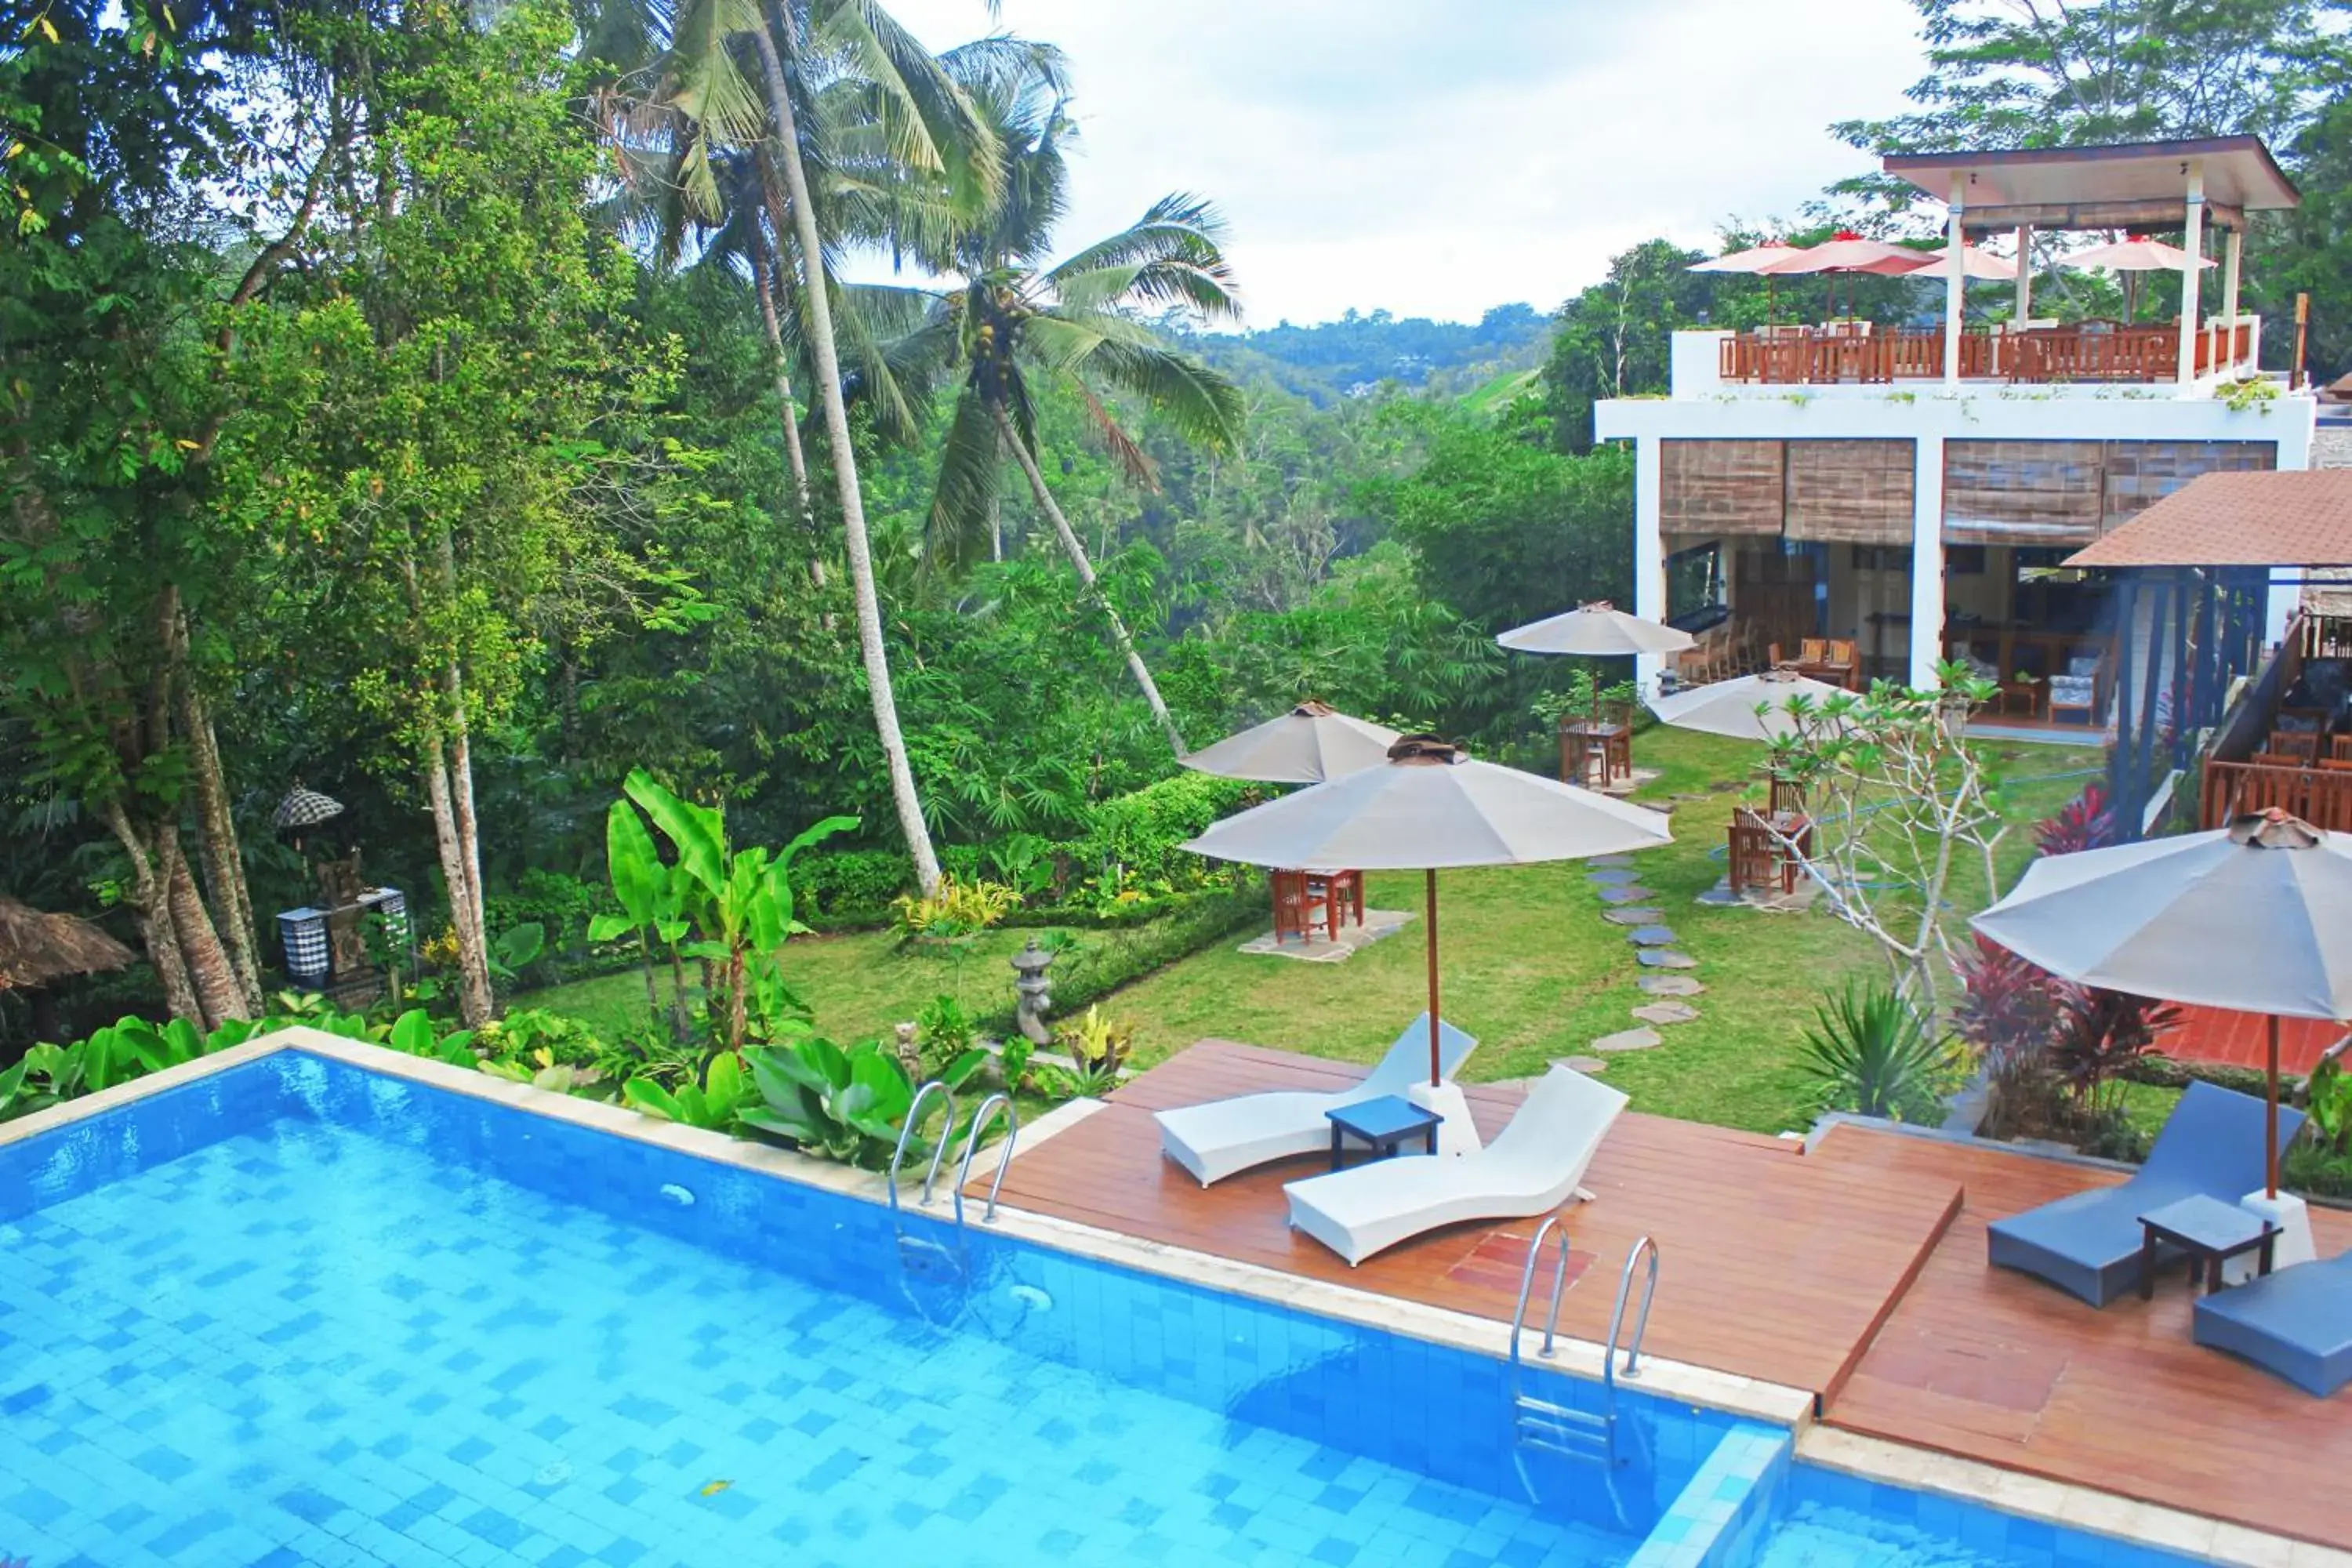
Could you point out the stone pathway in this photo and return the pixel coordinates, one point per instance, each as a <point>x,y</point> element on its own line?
<point>1637,911</point>
<point>1668,986</point>
<point>1319,949</point>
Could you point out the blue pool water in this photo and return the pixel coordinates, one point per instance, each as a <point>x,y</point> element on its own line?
<point>299,1313</point>
<point>363,1327</point>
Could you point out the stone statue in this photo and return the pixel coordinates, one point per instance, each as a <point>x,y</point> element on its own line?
<point>1034,991</point>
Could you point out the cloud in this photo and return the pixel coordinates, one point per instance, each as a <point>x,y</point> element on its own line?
<point>1439,159</point>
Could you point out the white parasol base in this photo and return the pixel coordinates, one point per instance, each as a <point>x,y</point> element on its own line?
<point>1459,1135</point>
<point>2293,1243</point>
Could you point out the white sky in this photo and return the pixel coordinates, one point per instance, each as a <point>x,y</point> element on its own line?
<point>1438,157</point>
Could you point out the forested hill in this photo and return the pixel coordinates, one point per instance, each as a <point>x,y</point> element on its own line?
<point>1332,360</point>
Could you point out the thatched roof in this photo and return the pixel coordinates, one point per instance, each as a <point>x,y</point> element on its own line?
<point>37,949</point>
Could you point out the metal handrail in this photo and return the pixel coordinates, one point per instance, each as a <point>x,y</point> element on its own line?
<point>939,1151</point>
<point>1642,1249</point>
<point>1003,1158</point>
<point>1526,1286</point>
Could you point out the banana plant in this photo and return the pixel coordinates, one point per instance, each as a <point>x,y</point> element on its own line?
<point>737,905</point>
<point>845,1105</point>
<point>649,893</point>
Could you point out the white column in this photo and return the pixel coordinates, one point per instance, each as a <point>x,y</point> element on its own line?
<point>2193,241</point>
<point>1649,551</point>
<point>2024,271</point>
<point>1926,561</point>
<point>2229,296</point>
<point>1955,242</point>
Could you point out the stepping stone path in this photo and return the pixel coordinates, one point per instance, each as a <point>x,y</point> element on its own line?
<point>1609,860</point>
<point>1607,879</point>
<point>1666,1012</point>
<point>1628,894</point>
<point>1719,898</point>
<point>1652,936</point>
<point>1668,985</point>
<point>1633,915</point>
<point>1663,958</point>
<point>1582,1064</point>
<point>1630,1040</point>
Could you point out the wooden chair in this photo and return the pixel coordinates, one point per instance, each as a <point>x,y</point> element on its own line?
<point>1845,660</point>
<point>2340,747</point>
<point>1788,797</point>
<point>2304,743</point>
<point>1302,901</point>
<point>2336,764</point>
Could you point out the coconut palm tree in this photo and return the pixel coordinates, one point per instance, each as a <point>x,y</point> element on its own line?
<point>741,74</point>
<point>1014,319</point>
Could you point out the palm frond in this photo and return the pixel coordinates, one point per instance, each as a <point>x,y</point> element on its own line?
<point>1174,256</point>
<point>1125,449</point>
<point>925,113</point>
<point>706,81</point>
<point>1201,405</point>
<point>971,478</point>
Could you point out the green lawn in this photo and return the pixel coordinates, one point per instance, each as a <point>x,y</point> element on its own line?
<point>1529,965</point>
<point>1531,968</point>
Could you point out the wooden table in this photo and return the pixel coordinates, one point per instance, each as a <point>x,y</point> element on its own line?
<point>1302,900</point>
<point>1384,1124</point>
<point>1583,739</point>
<point>2030,689</point>
<point>2211,1231</point>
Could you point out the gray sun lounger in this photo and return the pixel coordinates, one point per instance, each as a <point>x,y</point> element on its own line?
<point>2088,1245</point>
<point>2296,1323</point>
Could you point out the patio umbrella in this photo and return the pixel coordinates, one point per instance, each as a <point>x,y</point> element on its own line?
<point>1847,251</point>
<point>1598,629</point>
<point>1975,263</point>
<point>2255,916</point>
<point>1312,743</point>
<point>1747,707</point>
<point>1756,259</point>
<point>37,949</point>
<point>1429,806</point>
<point>2137,254</point>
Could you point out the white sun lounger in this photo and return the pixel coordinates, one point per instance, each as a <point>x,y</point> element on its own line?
<point>1225,1136</point>
<point>1533,1166</point>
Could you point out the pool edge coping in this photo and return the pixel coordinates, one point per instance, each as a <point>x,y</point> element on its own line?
<point>2016,1492</point>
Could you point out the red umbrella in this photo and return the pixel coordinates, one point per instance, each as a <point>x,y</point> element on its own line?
<point>1755,258</point>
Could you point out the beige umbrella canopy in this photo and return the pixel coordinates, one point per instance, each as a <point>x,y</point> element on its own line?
<point>1428,806</point>
<point>1747,708</point>
<point>2255,918</point>
<point>37,949</point>
<point>1755,258</point>
<point>1599,630</point>
<point>1974,263</point>
<point>2134,255</point>
<point>1312,743</point>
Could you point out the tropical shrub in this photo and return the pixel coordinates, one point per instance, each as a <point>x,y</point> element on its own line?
<point>954,909</point>
<point>1138,838</point>
<point>845,1105</point>
<point>1875,1057</point>
<point>850,882</point>
<point>713,1104</point>
<point>2099,1034</point>
<point>2328,1098</point>
<point>944,1031</point>
<point>2086,822</point>
<point>561,905</point>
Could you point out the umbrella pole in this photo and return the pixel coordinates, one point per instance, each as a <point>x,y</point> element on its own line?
<point>1428,903</point>
<point>2270,1121</point>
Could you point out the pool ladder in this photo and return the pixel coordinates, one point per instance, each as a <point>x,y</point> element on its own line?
<point>1547,1425</point>
<point>920,1252</point>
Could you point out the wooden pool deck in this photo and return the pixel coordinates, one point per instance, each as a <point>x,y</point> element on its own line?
<point>1856,1272</point>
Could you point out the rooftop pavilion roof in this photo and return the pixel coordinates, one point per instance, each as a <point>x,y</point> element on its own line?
<point>2128,185</point>
<point>2291,519</point>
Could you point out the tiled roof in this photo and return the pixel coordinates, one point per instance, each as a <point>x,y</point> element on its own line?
<point>2301,519</point>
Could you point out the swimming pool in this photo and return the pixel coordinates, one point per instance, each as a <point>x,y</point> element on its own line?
<point>301,1312</point>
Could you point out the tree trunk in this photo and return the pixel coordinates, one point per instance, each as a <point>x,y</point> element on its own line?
<point>217,840</point>
<point>473,1001</point>
<point>844,468</point>
<point>1086,570</point>
<point>784,406</point>
<point>153,908</point>
<point>200,945</point>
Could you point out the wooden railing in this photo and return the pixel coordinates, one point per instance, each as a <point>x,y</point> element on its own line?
<point>2321,796</point>
<point>2085,352</point>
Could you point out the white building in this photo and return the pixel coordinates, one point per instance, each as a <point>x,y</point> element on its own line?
<point>1914,490</point>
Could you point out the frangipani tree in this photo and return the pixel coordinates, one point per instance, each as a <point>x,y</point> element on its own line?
<point>1906,818</point>
<point>1013,321</point>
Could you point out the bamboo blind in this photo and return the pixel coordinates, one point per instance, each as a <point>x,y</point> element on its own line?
<point>2141,473</point>
<point>1851,492</point>
<point>1720,487</point>
<point>2022,493</point>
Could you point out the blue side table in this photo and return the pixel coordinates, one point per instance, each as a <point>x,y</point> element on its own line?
<point>1384,1124</point>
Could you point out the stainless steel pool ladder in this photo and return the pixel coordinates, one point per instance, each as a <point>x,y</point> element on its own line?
<point>1544,1423</point>
<point>947,1137</point>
